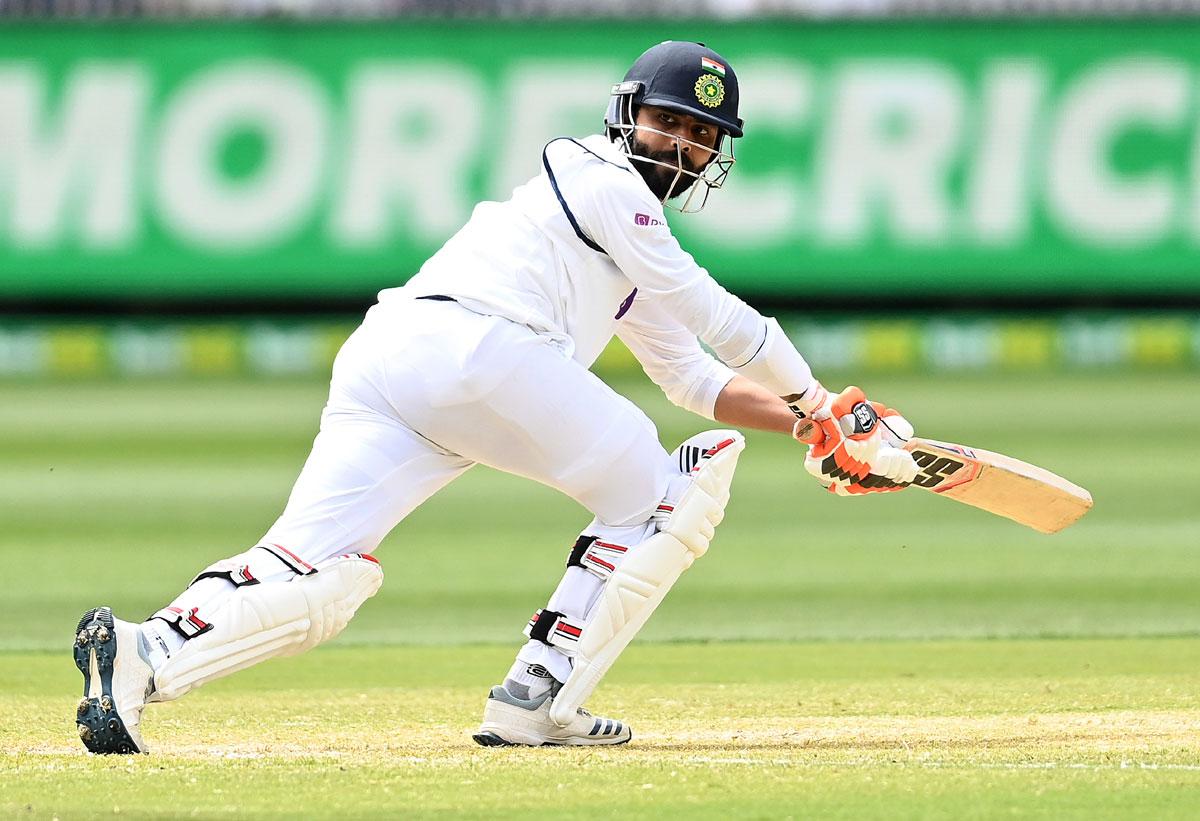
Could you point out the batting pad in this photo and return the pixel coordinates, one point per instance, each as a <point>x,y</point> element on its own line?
<point>272,619</point>
<point>645,577</point>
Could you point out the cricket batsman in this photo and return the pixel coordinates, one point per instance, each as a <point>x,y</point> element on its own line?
<point>483,358</point>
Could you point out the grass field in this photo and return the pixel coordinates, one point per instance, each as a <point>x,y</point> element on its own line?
<point>889,657</point>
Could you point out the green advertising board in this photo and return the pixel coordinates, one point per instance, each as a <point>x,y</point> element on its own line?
<point>246,160</point>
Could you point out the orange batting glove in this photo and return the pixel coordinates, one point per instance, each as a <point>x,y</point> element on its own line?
<point>856,447</point>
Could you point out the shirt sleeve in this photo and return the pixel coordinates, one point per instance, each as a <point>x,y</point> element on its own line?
<point>673,359</point>
<point>618,212</point>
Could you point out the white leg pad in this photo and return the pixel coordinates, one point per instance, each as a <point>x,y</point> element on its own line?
<point>269,620</point>
<point>644,578</point>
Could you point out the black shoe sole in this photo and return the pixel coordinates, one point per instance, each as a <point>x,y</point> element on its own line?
<point>490,739</point>
<point>100,727</point>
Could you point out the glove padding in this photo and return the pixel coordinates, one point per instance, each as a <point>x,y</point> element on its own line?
<point>856,446</point>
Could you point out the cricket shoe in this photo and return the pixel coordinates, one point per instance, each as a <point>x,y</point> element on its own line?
<point>117,679</point>
<point>509,721</point>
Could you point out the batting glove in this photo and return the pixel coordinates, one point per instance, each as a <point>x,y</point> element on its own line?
<point>858,447</point>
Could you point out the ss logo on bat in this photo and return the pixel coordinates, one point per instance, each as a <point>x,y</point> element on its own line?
<point>935,468</point>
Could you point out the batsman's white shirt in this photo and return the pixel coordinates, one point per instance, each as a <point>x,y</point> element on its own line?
<point>566,251</point>
<point>425,389</point>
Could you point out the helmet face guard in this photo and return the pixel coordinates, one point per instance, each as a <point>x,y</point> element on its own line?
<point>621,126</point>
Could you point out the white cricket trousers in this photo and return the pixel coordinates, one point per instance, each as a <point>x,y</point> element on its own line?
<point>424,390</point>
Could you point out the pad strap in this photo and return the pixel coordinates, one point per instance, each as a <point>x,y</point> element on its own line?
<point>236,573</point>
<point>555,629</point>
<point>184,622</point>
<point>598,557</point>
<point>297,565</point>
<point>575,558</point>
<point>602,558</point>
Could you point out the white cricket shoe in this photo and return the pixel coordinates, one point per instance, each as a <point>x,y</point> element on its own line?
<point>117,679</point>
<point>510,721</point>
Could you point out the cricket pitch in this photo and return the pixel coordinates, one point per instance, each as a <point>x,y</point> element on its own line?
<point>896,729</point>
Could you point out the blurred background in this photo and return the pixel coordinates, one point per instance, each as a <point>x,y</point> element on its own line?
<point>988,213</point>
<point>922,185</point>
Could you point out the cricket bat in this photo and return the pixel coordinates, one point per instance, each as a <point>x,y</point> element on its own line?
<point>999,484</point>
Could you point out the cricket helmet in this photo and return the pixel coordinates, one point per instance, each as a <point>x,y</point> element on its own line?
<point>687,78</point>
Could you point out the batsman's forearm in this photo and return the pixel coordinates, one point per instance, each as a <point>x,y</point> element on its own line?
<point>745,404</point>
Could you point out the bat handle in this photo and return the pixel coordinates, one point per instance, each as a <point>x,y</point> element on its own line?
<point>809,431</point>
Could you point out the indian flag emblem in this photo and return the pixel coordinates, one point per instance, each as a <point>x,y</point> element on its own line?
<point>713,66</point>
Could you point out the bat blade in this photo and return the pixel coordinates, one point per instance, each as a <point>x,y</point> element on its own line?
<point>999,484</point>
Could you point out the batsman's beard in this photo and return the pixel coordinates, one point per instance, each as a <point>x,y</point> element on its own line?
<point>667,182</point>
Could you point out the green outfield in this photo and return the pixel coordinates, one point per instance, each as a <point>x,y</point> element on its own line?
<point>901,656</point>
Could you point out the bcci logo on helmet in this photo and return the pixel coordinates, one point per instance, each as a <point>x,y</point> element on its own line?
<point>710,91</point>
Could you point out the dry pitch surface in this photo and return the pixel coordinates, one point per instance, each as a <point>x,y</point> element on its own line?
<point>1084,728</point>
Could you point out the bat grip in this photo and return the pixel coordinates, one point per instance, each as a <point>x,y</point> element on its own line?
<point>808,431</point>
